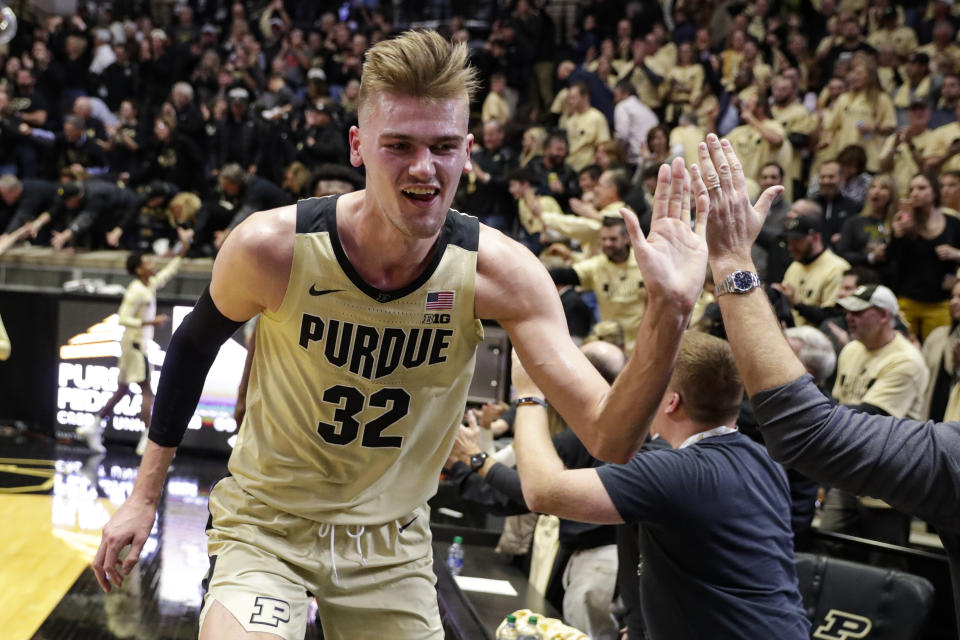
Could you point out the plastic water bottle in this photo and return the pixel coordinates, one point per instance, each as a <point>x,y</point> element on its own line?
<point>529,630</point>
<point>455,556</point>
<point>509,630</point>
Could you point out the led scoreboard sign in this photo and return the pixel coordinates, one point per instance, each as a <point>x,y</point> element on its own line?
<point>87,376</point>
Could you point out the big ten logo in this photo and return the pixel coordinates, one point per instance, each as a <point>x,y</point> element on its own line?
<point>840,625</point>
<point>436,318</point>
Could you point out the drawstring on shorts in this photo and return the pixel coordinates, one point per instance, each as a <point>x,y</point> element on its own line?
<point>328,528</point>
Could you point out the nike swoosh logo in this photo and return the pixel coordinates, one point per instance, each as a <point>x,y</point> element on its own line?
<point>408,524</point>
<point>321,292</point>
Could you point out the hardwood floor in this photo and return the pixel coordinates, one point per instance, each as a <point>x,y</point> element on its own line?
<point>54,501</point>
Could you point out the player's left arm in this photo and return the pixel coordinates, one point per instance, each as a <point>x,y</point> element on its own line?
<point>514,288</point>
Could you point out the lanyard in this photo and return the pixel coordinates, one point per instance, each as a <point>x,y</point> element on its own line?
<point>697,437</point>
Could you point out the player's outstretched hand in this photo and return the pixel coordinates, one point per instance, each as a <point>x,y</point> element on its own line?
<point>129,526</point>
<point>673,256</point>
<point>719,185</point>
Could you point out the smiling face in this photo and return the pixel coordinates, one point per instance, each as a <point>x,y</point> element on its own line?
<point>867,324</point>
<point>414,153</point>
<point>879,196</point>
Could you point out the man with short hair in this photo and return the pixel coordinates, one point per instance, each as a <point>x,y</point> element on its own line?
<point>189,117</point>
<point>242,194</point>
<point>531,208</point>
<point>797,123</point>
<point>85,213</point>
<point>768,242</point>
<point>608,199</point>
<point>879,372</point>
<point>72,146</point>
<point>917,86</point>
<point>945,110</point>
<point>813,278</point>
<point>911,465</point>
<point>586,127</point>
<point>22,202</point>
<point>909,151</point>
<point>487,195</point>
<point>836,207</point>
<point>697,503</point>
<point>760,138</point>
<point>555,177</point>
<point>614,277</point>
<point>632,120</point>
<point>370,306</point>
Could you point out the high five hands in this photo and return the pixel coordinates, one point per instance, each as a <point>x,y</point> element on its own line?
<point>673,256</point>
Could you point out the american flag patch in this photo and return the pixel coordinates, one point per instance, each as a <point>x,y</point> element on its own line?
<point>439,300</point>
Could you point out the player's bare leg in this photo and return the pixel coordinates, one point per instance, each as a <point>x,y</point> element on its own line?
<point>220,624</point>
<point>91,432</point>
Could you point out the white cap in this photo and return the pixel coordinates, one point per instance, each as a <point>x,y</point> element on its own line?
<point>870,295</point>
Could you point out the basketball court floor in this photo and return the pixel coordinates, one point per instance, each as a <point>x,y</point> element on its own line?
<point>54,500</point>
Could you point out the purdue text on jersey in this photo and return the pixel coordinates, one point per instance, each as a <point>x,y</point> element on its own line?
<point>371,352</point>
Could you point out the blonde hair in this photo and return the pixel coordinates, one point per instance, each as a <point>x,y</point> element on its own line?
<point>188,203</point>
<point>418,63</point>
<point>890,211</point>
<point>707,379</point>
<point>538,136</point>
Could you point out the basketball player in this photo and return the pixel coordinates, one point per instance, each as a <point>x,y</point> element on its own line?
<point>369,308</point>
<point>138,316</point>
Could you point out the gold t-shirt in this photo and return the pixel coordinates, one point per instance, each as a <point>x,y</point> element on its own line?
<point>754,151</point>
<point>893,377</point>
<point>585,131</point>
<point>904,166</point>
<point>621,296</point>
<point>852,108</point>
<point>817,283</point>
<point>529,221</point>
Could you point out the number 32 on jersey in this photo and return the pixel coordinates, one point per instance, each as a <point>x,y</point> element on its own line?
<point>350,402</point>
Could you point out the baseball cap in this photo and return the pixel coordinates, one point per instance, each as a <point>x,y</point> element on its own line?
<point>238,93</point>
<point>870,295</point>
<point>801,226</point>
<point>70,190</point>
<point>919,57</point>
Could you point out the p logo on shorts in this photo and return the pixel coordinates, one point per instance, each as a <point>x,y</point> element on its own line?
<point>270,611</point>
<point>840,625</point>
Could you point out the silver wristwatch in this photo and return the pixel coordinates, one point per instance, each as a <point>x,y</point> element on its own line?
<point>738,282</point>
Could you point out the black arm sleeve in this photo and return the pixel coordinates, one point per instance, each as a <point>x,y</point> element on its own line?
<point>564,275</point>
<point>190,355</point>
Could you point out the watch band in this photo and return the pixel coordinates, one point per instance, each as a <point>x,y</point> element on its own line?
<point>739,281</point>
<point>477,461</point>
<point>531,400</point>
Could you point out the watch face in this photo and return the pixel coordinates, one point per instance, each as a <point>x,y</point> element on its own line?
<point>743,280</point>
